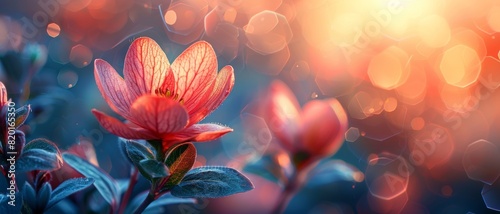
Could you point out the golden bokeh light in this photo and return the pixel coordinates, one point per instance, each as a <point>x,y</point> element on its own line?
<point>170,17</point>
<point>417,123</point>
<point>454,97</point>
<point>434,31</point>
<point>494,18</point>
<point>390,104</point>
<point>460,66</point>
<point>268,32</point>
<point>390,68</point>
<point>413,90</point>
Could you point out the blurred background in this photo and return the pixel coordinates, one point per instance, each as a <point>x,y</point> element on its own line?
<point>417,78</point>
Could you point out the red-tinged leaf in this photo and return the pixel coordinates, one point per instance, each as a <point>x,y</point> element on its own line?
<point>22,114</point>
<point>180,159</point>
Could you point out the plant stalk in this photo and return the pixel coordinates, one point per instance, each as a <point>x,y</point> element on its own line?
<point>128,193</point>
<point>150,198</point>
<point>287,194</point>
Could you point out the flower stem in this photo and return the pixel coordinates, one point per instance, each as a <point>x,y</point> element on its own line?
<point>150,198</point>
<point>128,193</point>
<point>287,194</point>
<point>157,145</point>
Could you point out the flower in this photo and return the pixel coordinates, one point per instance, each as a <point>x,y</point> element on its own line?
<point>308,134</point>
<point>162,101</point>
<point>12,119</point>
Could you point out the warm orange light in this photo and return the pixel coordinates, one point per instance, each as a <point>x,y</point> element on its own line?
<point>417,123</point>
<point>390,104</point>
<point>53,30</point>
<point>494,18</point>
<point>454,97</point>
<point>389,69</point>
<point>358,176</point>
<point>460,66</point>
<point>346,28</point>
<point>434,31</point>
<point>413,90</point>
<point>170,17</point>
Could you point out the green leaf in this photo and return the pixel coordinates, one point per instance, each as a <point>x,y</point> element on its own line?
<point>29,197</point>
<point>104,183</point>
<point>211,182</point>
<point>67,188</point>
<point>137,152</point>
<point>22,114</point>
<point>153,169</point>
<point>270,168</point>
<point>331,171</point>
<point>44,144</point>
<point>43,196</point>
<point>180,159</point>
<point>39,154</point>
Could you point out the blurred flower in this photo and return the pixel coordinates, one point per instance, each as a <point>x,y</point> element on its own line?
<point>20,67</point>
<point>84,149</point>
<point>162,101</point>
<point>12,118</point>
<point>309,134</point>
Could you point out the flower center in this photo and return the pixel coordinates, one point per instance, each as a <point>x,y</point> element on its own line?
<point>169,94</point>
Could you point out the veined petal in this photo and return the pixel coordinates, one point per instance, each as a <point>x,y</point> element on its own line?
<point>194,70</point>
<point>159,114</point>
<point>3,94</point>
<point>282,114</point>
<point>200,133</point>
<point>120,129</point>
<point>112,87</point>
<point>222,87</point>
<point>324,124</point>
<point>146,66</point>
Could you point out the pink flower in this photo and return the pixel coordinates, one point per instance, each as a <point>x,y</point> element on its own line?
<point>162,101</point>
<point>308,134</point>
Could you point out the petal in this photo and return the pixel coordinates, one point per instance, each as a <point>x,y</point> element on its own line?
<point>159,114</point>
<point>282,114</point>
<point>324,124</point>
<point>112,87</point>
<point>3,94</point>
<point>120,129</point>
<point>200,133</point>
<point>146,66</point>
<point>222,87</point>
<point>194,69</point>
